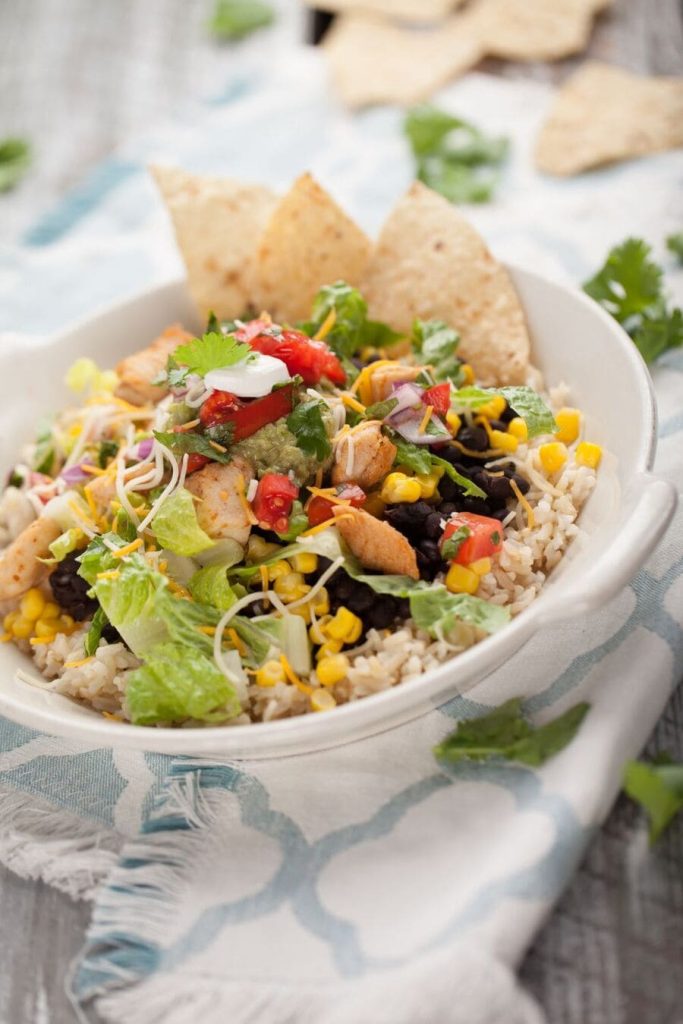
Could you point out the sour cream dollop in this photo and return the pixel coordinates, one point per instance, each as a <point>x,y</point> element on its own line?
<point>252,379</point>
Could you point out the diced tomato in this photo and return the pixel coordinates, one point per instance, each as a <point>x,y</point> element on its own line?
<point>248,417</point>
<point>273,501</point>
<point>312,360</point>
<point>196,461</point>
<point>320,509</point>
<point>438,396</point>
<point>485,539</point>
<point>217,408</point>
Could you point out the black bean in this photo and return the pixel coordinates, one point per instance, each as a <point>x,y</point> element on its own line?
<point>474,438</point>
<point>508,414</point>
<point>408,518</point>
<point>432,526</point>
<point>70,590</point>
<point>476,505</point>
<point>521,482</point>
<point>446,509</point>
<point>449,490</point>
<point>361,599</point>
<point>498,487</point>
<point>500,514</point>
<point>430,549</point>
<point>498,425</point>
<point>344,589</point>
<point>111,634</point>
<point>403,611</point>
<point>382,613</point>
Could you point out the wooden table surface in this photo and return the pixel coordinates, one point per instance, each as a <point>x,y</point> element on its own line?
<point>79,78</point>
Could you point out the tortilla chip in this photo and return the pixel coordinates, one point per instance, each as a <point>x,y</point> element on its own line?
<point>402,10</point>
<point>430,263</point>
<point>308,242</point>
<point>536,29</point>
<point>374,61</point>
<point>217,223</point>
<point>603,114</point>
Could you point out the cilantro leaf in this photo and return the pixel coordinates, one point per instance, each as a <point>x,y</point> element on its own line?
<point>190,443</point>
<point>435,342</point>
<point>450,547</point>
<point>351,329</point>
<point>453,157</point>
<point>629,284</point>
<point>630,287</point>
<point>422,461</point>
<point>15,158</point>
<point>674,244</point>
<point>94,634</point>
<point>212,351</point>
<point>528,404</point>
<point>307,425</point>
<point>505,733</point>
<point>658,788</point>
<point>235,19</point>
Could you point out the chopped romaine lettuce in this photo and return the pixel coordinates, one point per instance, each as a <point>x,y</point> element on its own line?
<point>437,610</point>
<point>176,528</point>
<point>67,542</point>
<point>210,586</point>
<point>94,634</point>
<point>177,683</point>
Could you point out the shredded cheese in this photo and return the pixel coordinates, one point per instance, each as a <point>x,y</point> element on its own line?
<point>110,574</point>
<point>326,326</point>
<point>77,664</point>
<point>38,641</point>
<point>90,527</point>
<point>530,518</point>
<point>263,572</point>
<point>218,447</point>
<point>207,630</point>
<point>352,403</point>
<point>487,454</point>
<point>128,549</point>
<point>237,643</point>
<point>189,426</point>
<point>323,526</point>
<point>170,487</point>
<point>426,418</point>
<point>366,373</point>
<point>310,596</point>
<point>92,470</point>
<point>248,511</point>
<point>293,677</point>
<point>350,454</point>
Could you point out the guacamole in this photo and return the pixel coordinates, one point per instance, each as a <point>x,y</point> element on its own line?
<point>273,449</point>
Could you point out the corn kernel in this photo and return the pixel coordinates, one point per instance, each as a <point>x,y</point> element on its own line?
<point>588,454</point>
<point>304,562</point>
<point>460,580</point>
<point>50,611</point>
<point>47,627</point>
<point>481,566</point>
<point>259,549</point>
<point>345,626</point>
<point>494,408</point>
<point>429,482</point>
<point>321,602</point>
<point>270,674</point>
<point>303,611</point>
<point>9,620</point>
<point>568,425</point>
<point>329,648</point>
<point>22,628</point>
<point>518,428</point>
<point>290,587</point>
<point>32,605</point>
<point>553,456</point>
<point>374,505</point>
<point>467,373</point>
<point>332,670</point>
<point>398,487</point>
<point>281,568</point>
<point>322,700</point>
<point>318,632</point>
<point>501,439</point>
<point>454,422</point>
<point>66,621</point>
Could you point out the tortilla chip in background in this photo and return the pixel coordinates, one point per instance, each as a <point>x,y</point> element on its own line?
<point>402,10</point>
<point>217,223</point>
<point>528,30</point>
<point>375,61</point>
<point>603,114</point>
<point>309,242</point>
<point>430,263</point>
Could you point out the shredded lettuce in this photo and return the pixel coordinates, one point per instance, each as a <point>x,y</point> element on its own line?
<point>178,682</point>
<point>210,586</point>
<point>176,528</point>
<point>94,634</point>
<point>437,610</point>
<point>67,542</point>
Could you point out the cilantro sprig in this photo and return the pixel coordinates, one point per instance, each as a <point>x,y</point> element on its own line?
<point>308,426</point>
<point>505,734</point>
<point>658,788</point>
<point>674,244</point>
<point>212,351</point>
<point>15,159</point>
<point>235,19</point>
<point>351,329</point>
<point>450,547</point>
<point>630,287</point>
<point>454,157</point>
<point>188,443</point>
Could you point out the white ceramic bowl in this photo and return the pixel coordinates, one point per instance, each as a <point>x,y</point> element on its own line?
<point>573,341</point>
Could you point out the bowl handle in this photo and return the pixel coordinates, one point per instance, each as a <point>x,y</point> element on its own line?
<point>638,537</point>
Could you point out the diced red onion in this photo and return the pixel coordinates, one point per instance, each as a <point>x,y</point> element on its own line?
<point>407,395</point>
<point>75,474</point>
<point>411,432</point>
<point>144,448</point>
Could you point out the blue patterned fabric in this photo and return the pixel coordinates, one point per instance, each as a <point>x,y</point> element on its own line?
<point>316,887</point>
